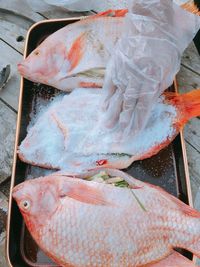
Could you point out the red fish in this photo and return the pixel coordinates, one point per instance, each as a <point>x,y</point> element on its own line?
<point>65,137</point>
<point>76,55</point>
<point>174,260</point>
<point>85,223</point>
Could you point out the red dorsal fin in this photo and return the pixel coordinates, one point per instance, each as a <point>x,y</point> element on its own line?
<point>82,192</point>
<point>76,51</point>
<point>111,13</point>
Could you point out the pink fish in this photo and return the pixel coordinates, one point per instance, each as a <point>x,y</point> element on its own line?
<point>64,136</point>
<point>76,55</point>
<point>84,223</point>
<point>173,260</point>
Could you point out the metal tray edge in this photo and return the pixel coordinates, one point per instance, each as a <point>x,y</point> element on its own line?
<point>186,169</point>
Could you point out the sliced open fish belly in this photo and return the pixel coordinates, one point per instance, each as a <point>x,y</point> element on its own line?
<point>64,137</point>
<point>119,226</point>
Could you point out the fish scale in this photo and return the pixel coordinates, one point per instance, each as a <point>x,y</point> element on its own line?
<point>72,51</point>
<point>93,224</point>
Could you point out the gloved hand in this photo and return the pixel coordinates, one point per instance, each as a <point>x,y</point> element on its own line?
<point>145,62</point>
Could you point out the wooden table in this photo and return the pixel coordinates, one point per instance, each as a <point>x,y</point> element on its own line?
<point>15,19</point>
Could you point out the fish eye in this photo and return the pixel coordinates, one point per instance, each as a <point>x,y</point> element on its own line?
<point>25,204</point>
<point>36,53</point>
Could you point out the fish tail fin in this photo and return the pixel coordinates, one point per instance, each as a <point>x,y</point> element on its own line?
<point>192,238</point>
<point>192,7</point>
<point>193,242</point>
<point>173,260</point>
<point>188,104</point>
<point>112,13</point>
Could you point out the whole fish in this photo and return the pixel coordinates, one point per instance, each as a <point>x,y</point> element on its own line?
<point>76,55</point>
<point>85,223</point>
<point>64,136</point>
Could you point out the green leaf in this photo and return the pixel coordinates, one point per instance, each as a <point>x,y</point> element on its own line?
<point>122,184</point>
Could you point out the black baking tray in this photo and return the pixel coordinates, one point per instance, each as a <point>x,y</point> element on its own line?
<point>168,169</point>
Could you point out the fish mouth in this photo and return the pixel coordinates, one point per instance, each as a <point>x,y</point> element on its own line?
<point>22,68</point>
<point>16,191</point>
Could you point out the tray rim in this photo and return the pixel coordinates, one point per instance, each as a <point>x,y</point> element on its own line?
<point>186,168</point>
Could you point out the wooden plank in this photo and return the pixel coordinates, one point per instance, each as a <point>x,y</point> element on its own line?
<point>57,13</point>
<point>10,92</point>
<point>9,32</point>
<point>20,7</point>
<point>3,215</point>
<point>187,80</point>
<point>194,168</point>
<point>15,22</point>
<point>7,138</point>
<point>191,58</point>
<point>192,133</point>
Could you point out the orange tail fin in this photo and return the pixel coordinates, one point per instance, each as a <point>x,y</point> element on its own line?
<point>111,13</point>
<point>191,7</point>
<point>187,104</point>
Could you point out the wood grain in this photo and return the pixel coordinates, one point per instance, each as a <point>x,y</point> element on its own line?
<point>191,59</point>
<point>10,92</point>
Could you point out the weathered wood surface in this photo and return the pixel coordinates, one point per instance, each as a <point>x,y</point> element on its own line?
<point>3,213</point>
<point>10,93</point>
<point>8,125</point>
<point>57,13</point>
<point>191,59</point>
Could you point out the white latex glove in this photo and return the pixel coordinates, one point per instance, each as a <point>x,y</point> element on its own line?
<point>145,62</point>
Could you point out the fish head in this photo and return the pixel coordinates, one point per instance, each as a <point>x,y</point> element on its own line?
<point>44,63</point>
<point>37,201</point>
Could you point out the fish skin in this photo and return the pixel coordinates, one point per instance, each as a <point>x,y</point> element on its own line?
<point>105,225</point>
<point>62,57</point>
<point>173,260</point>
<point>66,152</point>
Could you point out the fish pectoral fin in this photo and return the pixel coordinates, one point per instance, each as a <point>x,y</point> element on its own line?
<point>111,13</point>
<point>84,193</point>
<point>76,51</point>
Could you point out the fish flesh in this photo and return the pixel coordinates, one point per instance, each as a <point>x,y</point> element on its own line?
<point>65,137</point>
<point>84,223</point>
<point>76,55</point>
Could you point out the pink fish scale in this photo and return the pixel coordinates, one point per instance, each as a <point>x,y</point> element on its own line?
<point>98,225</point>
